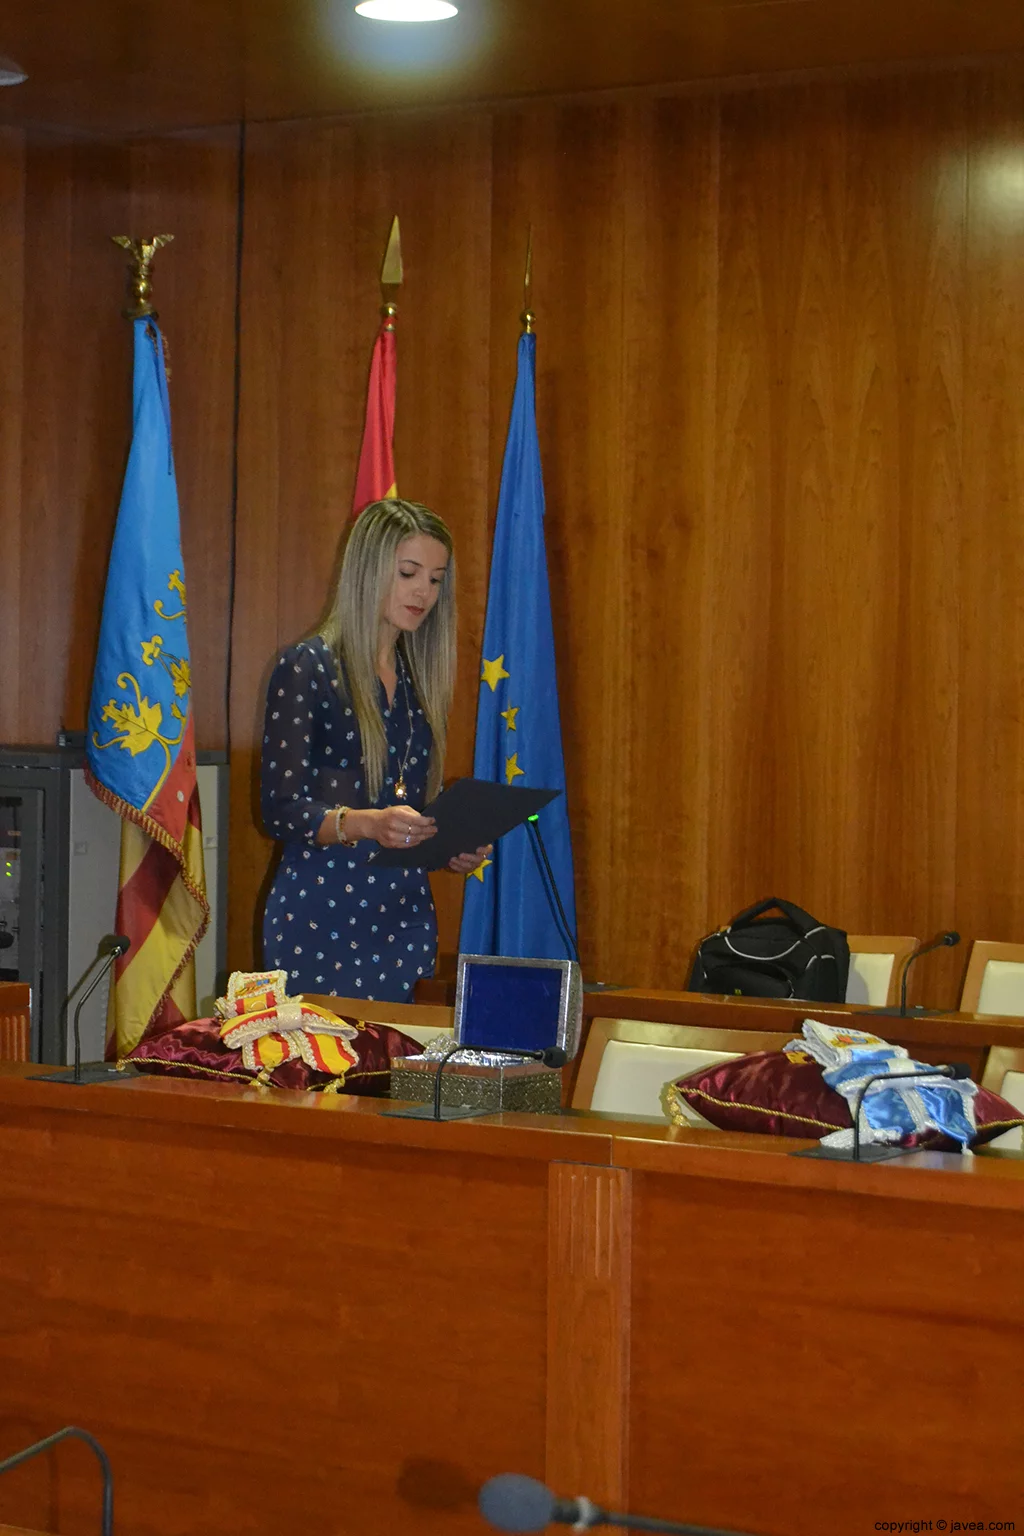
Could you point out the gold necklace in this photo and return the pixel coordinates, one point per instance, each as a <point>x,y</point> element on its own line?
<point>401,789</point>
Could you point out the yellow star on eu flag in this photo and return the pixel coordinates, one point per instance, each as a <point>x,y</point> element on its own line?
<point>493,672</point>
<point>512,768</point>
<point>509,716</point>
<point>478,873</point>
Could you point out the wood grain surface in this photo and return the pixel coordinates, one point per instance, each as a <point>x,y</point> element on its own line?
<point>130,68</point>
<point>15,1021</point>
<point>588,1365</point>
<point>780,355</point>
<point>296,1338</point>
<point>67,434</point>
<point>801,1320</point>
<point>374,1315</point>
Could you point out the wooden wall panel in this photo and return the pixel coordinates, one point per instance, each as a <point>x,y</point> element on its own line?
<point>780,367</point>
<point>561,171</point>
<point>74,427</point>
<point>67,363</point>
<point>188,186</point>
<point>12,274</point>
<point>319,201</point>
<point>990,789</point>
<point>779,357</point>
<point>670,172</point>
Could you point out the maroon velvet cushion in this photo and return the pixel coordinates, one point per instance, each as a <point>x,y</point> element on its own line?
<point>768,1093</point>
<point>195,1049</point>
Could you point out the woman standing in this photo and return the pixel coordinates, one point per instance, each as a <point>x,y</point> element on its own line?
<point>353,747</point>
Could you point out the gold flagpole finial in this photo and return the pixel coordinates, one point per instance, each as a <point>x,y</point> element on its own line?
<point>528,317</point>
<point>140,289</point>
<point>391,275</point>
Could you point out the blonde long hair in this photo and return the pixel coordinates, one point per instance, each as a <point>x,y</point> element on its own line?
<point>352,630</point>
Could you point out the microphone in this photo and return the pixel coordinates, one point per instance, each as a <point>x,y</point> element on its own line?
<point>879,1152</point>
<point>550,1056</point>
<point>565,933</point>
<point>72,1432</point>
<point>512,1502</point>
<point>950,937</point>
<point>109,949</point>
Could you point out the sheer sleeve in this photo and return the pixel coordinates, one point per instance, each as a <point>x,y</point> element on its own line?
<point>288,784</point>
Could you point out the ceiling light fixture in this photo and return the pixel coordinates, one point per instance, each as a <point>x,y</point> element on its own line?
<point>407,10</point>
<point>11,73</point>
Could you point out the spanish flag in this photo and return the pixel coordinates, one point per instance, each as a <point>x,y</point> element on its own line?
<point>375,477</point>
<point>140,742</point>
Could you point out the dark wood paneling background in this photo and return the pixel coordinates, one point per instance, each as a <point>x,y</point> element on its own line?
<point>66,419</point>
<point>781,396</point>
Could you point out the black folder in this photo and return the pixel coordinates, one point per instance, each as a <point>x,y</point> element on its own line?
<point>470,814</point>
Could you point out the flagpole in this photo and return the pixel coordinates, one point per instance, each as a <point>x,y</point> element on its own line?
<point>142,695</point>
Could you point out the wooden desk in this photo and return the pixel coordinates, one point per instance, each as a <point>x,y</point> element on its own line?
<point>283,1312</point>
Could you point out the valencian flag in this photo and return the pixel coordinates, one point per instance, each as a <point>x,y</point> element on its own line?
<point>375,476</point>
<point>140,742</point>
<point>507,908</point>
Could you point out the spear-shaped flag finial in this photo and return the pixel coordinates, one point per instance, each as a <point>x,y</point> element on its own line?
<point>391,274</point>
<point>375,474</point>
<point>528,316</point>
<point>391,271</point>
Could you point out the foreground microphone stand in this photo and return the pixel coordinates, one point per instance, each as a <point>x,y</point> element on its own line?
<point>93,1071</point>
<point>101,1456</point>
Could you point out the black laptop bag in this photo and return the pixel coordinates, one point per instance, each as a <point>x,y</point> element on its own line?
<point>789,954</point>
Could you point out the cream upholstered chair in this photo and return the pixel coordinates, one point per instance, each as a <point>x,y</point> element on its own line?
<point>422,1021</point>
<point>627,1062</point>
<point>876,964</point>
<point>994,983</point>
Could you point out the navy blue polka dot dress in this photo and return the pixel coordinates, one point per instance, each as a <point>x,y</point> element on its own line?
<point>332,921</point>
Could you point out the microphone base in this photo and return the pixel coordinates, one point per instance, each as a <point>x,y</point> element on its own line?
<point>874,1152</point>
<point>90,1073</point>
<point>448,1112</point>
<point>898,1013</point>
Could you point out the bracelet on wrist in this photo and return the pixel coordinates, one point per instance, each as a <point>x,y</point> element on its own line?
<point>339,828</point>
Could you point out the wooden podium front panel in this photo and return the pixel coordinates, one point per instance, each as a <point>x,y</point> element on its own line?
<point>268,1332</point>
<point>806,1360</point>
<point>15,1021</point>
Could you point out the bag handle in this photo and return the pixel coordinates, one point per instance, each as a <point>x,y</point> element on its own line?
<point>802,921</point>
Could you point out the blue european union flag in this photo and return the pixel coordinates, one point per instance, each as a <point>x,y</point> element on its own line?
<point>140,738</point>
<point>508,907</point>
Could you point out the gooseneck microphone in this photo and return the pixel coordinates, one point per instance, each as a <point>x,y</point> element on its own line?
<point>949,938</point>
<point>957,1070</point>
<point>72,1432</point>
<point>879,1152</point>
<point>513,1502</point>
<point>109,949</point>
<point>551,892</point>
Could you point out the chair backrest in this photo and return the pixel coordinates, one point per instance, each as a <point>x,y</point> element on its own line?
<point>627,1062</point>
<point>421,1021</point>
<point>876,964</point>
<point>994,982</point>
